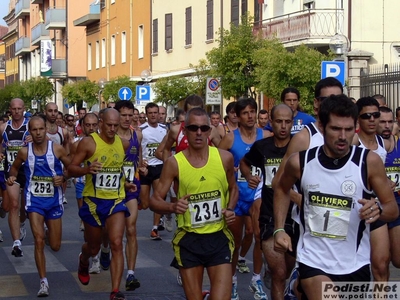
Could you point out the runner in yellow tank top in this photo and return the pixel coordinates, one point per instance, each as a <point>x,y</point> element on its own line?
<point>206,197</point>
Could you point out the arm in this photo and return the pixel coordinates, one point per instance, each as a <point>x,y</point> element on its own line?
<point>19,160</point>
<point>252,158</point>
<point>227,160</point>
<point>67,140</point>
<point>290,175</point>
<point>160,149</point>
<point>170,139</point>
<point>226,142</point>
<point>62,155</point>
<point>215,137</point>
<point>157,202</point>
<point>86,148</point>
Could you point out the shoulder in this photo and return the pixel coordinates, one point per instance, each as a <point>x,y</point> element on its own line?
<point>300,141</point>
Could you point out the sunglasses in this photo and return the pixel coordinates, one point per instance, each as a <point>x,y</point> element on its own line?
<point>321,98</point>
<point>368,116</point>
<point>195,128</point>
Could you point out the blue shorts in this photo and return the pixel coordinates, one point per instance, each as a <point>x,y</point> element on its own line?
<point>51,213</point>
<point>3,186</point>
<point>95,211</point>
<point>242,208</point>
<point>79,189</point>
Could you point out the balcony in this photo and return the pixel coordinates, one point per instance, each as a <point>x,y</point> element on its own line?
<point>55,18</point>
<point>92,17</point>
<point>39,33</point>
<point>59,68</point>
<point>36,1</point>
<point>22,8</point>
<point>314,26</point>
<point>22,46</point>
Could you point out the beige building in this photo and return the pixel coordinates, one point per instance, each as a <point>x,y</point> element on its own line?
<point>9,39</point>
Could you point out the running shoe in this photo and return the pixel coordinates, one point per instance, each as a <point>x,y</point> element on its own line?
<point>95,268</point>
<point>3,213</point>
<point>161,226</point>
<point>22,232</point>
<point>65,200</point>
<point>289,292</point>
<point>81,226</point>
<point>154,235</point>
<point>17,251</point>
<point>168,223</point>
<point>234,295</point>
<point>1,236</point>
<point>256,288</point>
<point>179,279</point>
<point>44,289</point>
<point>83,272</point>
<point>105,259</point>
<point>117,296</point>
<point>131,283</point>
<point>242,267</point>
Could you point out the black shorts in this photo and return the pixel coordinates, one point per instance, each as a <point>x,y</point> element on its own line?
<point>193,249</point>
<point>362,274</point>
<point>21,179</point>
<point>377,224</point>
<point>153,174</point>
<point>267,229</point>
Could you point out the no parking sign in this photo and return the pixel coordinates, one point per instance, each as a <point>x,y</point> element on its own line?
<point>213,91</point>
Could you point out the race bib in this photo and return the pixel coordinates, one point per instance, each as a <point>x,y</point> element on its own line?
<point>240,177</point>
<point>108,179</point>
<point>205,208</point>
<point>270,172</point>
<point>151,149</point>
<point>393,175</point>
<point>42,186</point>
<point>129,171</point>
<point>329,215</point>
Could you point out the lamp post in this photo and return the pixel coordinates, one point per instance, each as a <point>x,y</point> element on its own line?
<point>101,84</point>
<point>339,45</point>
<point>146,76</point>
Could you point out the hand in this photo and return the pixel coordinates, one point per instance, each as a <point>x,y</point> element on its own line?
<point>143,171</point>
<point>230,216</point>
<point>182,205</point>
<point>11,180</point>
<point>130,187</point>
<point>282,242</point>
<point>370,211</point>
<point>95,167</point>
<point>253,181</point>
<point>58,180</point>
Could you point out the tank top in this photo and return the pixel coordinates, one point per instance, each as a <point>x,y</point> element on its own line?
<point>131,163</point>
<point>330,221</point>
<point>208,188</point>
<point>109,182</point>
<point>381,151</point>
<point>239,149</point>
<point>57,137</point>
<point>392,166</point>
<point>39,172</point>
<point>151,139</point>
<point>14,140</point>
<point>316,137</point>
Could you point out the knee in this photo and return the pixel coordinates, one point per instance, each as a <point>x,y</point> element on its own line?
<point>131,231</point>
<point>94,250</point>
<point>116,245</point>
<point>249,232</point>
<point>55,246</point>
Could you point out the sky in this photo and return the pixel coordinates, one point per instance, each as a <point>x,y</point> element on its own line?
<point>3,11</point>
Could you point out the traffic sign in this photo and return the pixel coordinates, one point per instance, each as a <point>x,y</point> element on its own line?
<point>336,69</point>
<point>143,92</point>
<point>213,91</point>
<point>125,93</point>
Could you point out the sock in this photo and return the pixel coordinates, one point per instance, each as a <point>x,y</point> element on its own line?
<point>155,227</point>
<point>255,277</point>
<point>234,278</point>
<point>105,249</point>
<point>242,258</point>
<point>17,243</point>
<point>44,279</point>
<point>130,272</point>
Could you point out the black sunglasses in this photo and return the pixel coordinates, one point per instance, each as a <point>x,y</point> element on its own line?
<point>368,116</point>
<point>195,128</point>
<point>321,98</point>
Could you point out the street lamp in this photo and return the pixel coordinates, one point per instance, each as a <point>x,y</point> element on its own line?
<point>339,45</point>
<point>146,76</point>
<point>101,84</point>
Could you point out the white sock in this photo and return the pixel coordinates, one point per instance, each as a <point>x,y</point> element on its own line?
<point>234,278</point>
<point>130,272</point>
<point>105,249</point>
<point>242,258</point>
<point>255,277</point>
<point>44,279</point>
<point>17,243</point>
<point>155,227</point>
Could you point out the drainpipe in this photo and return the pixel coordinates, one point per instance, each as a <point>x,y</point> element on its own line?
<point>130,39</point>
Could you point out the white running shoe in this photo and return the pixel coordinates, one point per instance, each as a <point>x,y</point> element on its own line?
<point>95,268</point>
<point>1,236</point>
<point>44,289</point>
<point>65,200</point>
<point>256,288</point>
<point>168,223</point>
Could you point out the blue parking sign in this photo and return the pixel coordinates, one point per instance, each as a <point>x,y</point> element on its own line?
<point>143,92</point>
<point>336,69</point>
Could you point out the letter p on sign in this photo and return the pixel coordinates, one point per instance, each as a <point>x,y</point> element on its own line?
<point>336,69</point>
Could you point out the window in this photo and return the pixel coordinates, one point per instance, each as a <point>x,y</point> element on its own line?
<point>235,12</point>
<point>123,47</point>
<point>140,41</point>
<point>113,50</point>
<point>168,32</point>
<point>210,19</point>
<point>244,7</point>
<point>97,54</point>
<point>103,53</point>
<point>89,57</point>
<point>188,27</point>
<point>102,4</point>
<point>309,4</point>
<point>155,36</point>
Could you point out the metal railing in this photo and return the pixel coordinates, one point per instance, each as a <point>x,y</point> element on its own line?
<point>312,23</point>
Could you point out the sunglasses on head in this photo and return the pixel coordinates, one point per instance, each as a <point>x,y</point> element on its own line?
<point>368,116</point>
<point>195,128</point>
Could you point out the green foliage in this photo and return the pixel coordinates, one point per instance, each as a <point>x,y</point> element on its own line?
<point>277,68</point>
<point>233,60</point>
<point>7,94</point>
<point>171,90</point>
<point>79,91</point>
<point>111,88</point>
<point>202,71</point>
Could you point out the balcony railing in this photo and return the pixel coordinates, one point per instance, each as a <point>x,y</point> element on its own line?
<point>56,18</point>
<point>38,33</point>
<point>22,45</point>
<point>94,8</point>
<point>306,24</point>
<point>37,1</point>
<point>22,8</point>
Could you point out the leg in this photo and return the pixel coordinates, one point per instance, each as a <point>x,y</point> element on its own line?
<point>144,195</point>
<point>157,217</point>
<point>55,233</point>
<point>380,253</point>
<point>192,279</point>
<point>245,245</point>
<point>257,253</point>
<point>13,210</point>
<point>220,281</point>
<point>92,242</point>
<point>131,248</point>
<point>37,226</point>
<point>237,230</point>
<point>394,234</point>
<point>115,225</point>
<point>312,286</point>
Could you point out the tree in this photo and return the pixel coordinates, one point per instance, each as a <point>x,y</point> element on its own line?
<point>233,60</point>
<point>171,90</point>
<point>111,88</point>
<point>38,88</point>
<point>202,71</point>
<point>277,68</point>
<point>79,91</point>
